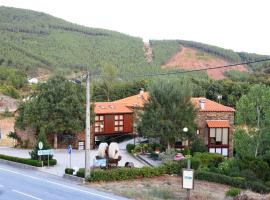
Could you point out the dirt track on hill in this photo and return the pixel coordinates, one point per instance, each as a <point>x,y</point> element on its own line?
<point>189,58</point>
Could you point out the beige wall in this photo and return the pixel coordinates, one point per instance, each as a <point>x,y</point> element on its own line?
<point>6,126</point>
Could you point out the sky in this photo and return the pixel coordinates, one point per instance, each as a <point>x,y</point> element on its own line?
<point>240,25</point>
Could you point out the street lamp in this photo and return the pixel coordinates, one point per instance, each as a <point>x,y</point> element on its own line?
<point>87,128</point>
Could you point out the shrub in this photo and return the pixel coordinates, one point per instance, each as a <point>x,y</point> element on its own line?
<point>69,171</point>
<point>118,174</point>
<point>233,192</point>
<point>248,175</point>
<point>232,181</point>
<point>52,162</point>
<point>81,172</point>
<point>174,167</point>
<point>260,168</point>
<point>198,145</point>
<point>26,161</point>
<point>154,146</point>
<point>209,159</point>
<point>226,166</point>
<point>130,147</point>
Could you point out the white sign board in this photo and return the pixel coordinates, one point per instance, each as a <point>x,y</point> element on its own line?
<point>45,152</point>
<point>188,179</point>
<point>100,162</point>
<point>40,145</point>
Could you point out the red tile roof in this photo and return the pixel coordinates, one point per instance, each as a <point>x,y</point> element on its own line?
<point>135,101</point>
<point>210,106</point>
<point>111,108</point>
<point>218,123</point>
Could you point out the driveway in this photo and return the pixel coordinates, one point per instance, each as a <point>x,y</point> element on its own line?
<point>62,157</point>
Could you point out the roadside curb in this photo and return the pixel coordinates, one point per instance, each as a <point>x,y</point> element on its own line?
<point>74,178</point>
<point>18,165</point>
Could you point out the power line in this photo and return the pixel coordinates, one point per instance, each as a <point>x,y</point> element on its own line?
<point>187,71</point>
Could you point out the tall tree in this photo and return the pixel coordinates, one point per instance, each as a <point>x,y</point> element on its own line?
<point>253,112</point>
<point>58,107</point>
<point>168,111</point>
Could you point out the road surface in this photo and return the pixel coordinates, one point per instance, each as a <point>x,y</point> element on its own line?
<point>22,184</point>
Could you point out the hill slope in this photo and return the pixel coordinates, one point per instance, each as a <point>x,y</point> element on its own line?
<point>38,43</point>
<point>32,39</point>
<point>189,58</point>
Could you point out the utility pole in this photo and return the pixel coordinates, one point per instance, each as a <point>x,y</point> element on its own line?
<point>88,128</point>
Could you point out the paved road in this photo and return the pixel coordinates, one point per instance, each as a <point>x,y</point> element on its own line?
<point>18,184</point>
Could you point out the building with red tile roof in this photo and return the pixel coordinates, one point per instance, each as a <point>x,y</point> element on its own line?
<point>215,121</point>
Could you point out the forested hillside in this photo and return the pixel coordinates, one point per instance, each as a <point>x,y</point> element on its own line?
<point>32,41</point>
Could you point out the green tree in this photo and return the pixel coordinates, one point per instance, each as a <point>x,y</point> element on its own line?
<point>58,107</point>
<point>253,112</point>
<point>109,79</point>
<point>168,111</point>
<point>41,138</point>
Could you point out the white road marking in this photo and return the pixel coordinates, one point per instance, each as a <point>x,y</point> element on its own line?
<point>62,185</point>
<point>72,188</point>
<point>19,173</point>
<point>28,195</point>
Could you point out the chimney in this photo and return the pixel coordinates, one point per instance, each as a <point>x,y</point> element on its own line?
<point>202,104</point>
<point>141,92</point>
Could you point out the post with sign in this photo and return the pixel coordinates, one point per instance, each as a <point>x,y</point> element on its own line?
<point>69,152</point>
<point>46,152</point>
<point>188,178</point>
<point>40,146</point>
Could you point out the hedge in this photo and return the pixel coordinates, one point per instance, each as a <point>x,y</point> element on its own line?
<point>27,161</point>
<point>118,174</point>
<point>232,181</point>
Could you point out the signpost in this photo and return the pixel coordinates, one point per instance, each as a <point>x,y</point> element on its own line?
<point>69,152</point>
<point>188,178</point>
<point>40,146</point>
<point>46,152</point>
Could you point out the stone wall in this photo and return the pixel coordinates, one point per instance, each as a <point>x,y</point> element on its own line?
<point>6,126</point>
<point>201,119</point>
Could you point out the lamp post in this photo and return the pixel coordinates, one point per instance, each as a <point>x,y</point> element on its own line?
<point>88,128</point>
<point>185,129</point>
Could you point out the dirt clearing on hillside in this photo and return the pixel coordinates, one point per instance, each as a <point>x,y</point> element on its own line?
<point>189,58</point>
<point>166,187</point>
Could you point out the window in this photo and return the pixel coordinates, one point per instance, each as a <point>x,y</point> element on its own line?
<point>99,124</point>
<point>118,123</point>
<point>219,141</point>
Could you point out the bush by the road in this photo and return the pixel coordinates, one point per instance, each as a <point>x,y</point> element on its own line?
<point>69,171</point>
<point>81,172</point>
<point>232,181</point>
<point>26,161</point>
<point>118,174</point>
<point>52,162</point>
